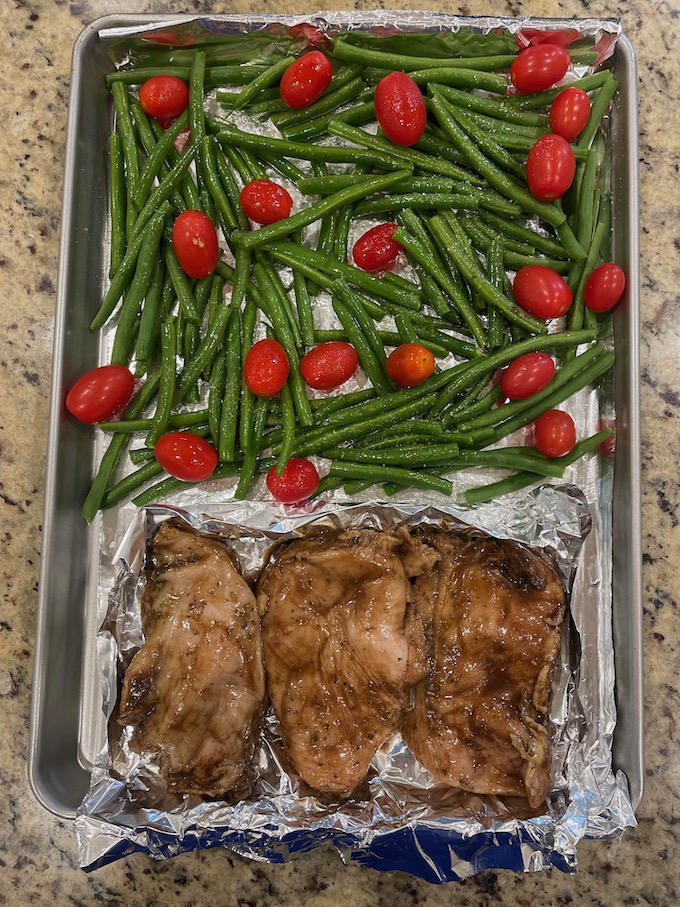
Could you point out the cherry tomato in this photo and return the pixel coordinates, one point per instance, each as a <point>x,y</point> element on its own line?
<point>554,433</point>
<point>329,365</point>
<point>410,364</point>
<point>298,481</point>
<point>551,166</point>
<point>186,456</point>
<point>195,243</point>
<point>164,97</point>
<point>101,393</point>
<point>541,291</point>
<point>306,79</point>
<point>266,368</point>
<point>265,201</point>
<point>604,288</point>
<point>375,250</point>
<point>539,67</point>
<point>527,375</point>
<point>569,113</point>
<point>400,108</point>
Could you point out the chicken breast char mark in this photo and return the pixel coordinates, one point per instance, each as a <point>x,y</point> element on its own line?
<point>343,648</point>
<point>493,612</point>
<point>195,692</point>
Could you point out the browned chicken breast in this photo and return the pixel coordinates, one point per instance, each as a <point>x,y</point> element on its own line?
<point>343,648</point>
<point>195,692</point>
<point>493,612</point>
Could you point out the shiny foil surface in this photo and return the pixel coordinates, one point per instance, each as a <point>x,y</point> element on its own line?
<point>401,818</point>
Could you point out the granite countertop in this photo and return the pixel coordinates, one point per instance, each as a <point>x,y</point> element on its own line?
<point>38,863</point>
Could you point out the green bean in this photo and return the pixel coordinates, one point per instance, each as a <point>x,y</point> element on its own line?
<point>281,324</point>
<point>229,135</point>
<point>427,200</point>
<point>322,408</point>
<point>218,377</point>
<point>114,451</point>
<point>117,194</point>
<point>214,185</point>
<point>204,354</point>
<point>262,81</point>
<point>162,192</point>
<point>452,236</point>
<point>129,313</point>
<point>120,279</point>
<point>127,135</point>
<point>514,230</point>
<point>495,152</point>
<point>166,388</point>
<point>288,428</point>
<point>468,79</point>
<point>484,493</point>
<point>282,166</point>
<point>325,185</point>
<point>256,169</point>
<point>329,101</point>
<point>140,455</point>
<point>380,146</point>
<point>181,284</point>
<point>232,190</point>
<point>502,110</point>
<point>354,116</point>
<point>226,447</point>
<point>170,485</point>
<point>545,98</point>
<point>489,170</point>
<point>150,321</point>
<point>304,308</point>
<point>126,486</point>
<point>443,278</point>
<point>272,232</point>
<point>215,75</point>
<point>408,477</point>
<point>157,156</point>
<point>250,460</point>
<point>307,260</point>
<point>598,109</point>
<point>365,322</point>
<point>576,311</point>
<point>178,420</point>
<point>367,358</point>
<point>247,397</point>
<point>281,300</point>
<point>350,53</point>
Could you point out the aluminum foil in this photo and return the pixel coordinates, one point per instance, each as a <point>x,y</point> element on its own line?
<point>407,821</point>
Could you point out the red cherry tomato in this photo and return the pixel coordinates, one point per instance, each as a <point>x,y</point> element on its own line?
<point>298,481</point>
<point>527,375</point>
<point>164,97</point>
<point>306,79</point>
<point>265,201</point>
<point>410,364</point>
<point>551,166</point>
<point>101,393</point>
<point>329,365</point>
<point>195,243</point>
<point>605,286</point>
<point>266,368</point>
<point>539,67</point>
<point>569,113</point>
<point>554,433</point>
<point>186,456</point>
<point>400,108</point>
<point>375,250</point>
<point>541,291</point>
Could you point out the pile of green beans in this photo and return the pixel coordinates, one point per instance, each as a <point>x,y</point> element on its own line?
<point>466,220</point>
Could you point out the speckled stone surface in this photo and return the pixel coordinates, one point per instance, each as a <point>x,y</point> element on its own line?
<point>38,862</point>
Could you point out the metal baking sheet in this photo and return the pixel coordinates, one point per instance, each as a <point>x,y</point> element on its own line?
<point>64,695</point>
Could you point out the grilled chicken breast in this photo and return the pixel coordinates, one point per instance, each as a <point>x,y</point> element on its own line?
<point>342,647</point>
<point>195,692</point>
<point>492,612</point>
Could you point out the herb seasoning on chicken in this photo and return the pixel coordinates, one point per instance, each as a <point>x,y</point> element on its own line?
<point>195,692</point>
<point>343,648</point>
<point>492,612</point>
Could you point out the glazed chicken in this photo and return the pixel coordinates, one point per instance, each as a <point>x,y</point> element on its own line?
<point>493,612</point>
<point>342,647</point>
<point>195,692</point>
